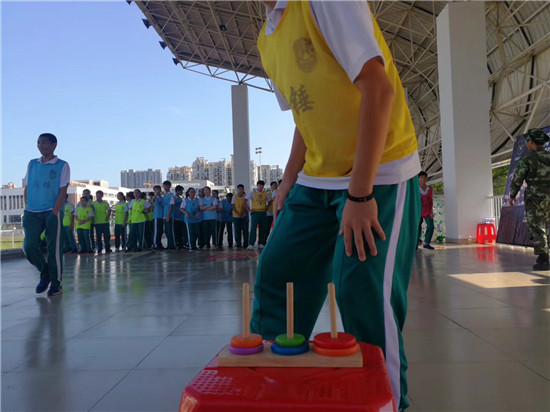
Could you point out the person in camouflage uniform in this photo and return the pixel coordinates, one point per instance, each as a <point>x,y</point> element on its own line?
<point>534,168</point>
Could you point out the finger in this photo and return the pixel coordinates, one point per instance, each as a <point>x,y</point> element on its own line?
<point>347,241</point>
<point>370,241</point>
<point>379,231</point>
<point>359,245</point>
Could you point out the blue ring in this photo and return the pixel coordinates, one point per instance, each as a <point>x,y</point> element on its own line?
<point>289,351</point>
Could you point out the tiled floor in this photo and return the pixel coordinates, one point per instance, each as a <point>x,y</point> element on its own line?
<point>131,330</point>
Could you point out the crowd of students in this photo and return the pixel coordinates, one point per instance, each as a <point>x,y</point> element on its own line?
<point>191,220</point>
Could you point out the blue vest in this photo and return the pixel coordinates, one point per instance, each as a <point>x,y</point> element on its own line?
<point>43,185</point>
<point>158,208</point>
<point>227,211</point>
<point>192,207</point>
<point>176,214</point>
<point>209,214</point>
<point>166,203</point>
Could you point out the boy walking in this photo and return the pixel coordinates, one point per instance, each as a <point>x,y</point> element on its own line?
<point>350,185</point>
<point>46,184</point>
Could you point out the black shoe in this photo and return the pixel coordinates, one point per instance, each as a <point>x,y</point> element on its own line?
<point>543,263</point>
<point>108,250</point>
<point>42,285</point>
<point>429,247</point>
<point>55,290</point>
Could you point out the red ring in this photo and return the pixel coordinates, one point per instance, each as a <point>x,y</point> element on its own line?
<point>336,352</point>
<point>344,340</point>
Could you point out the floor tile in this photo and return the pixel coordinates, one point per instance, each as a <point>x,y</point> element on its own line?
<point>148,390</point>
<point>61,390</point>
<point>484,386</point>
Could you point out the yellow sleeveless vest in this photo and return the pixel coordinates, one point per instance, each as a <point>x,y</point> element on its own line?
<point>138,215</point>
<point>83,213</point>
<point>259,201</point>
<point>239,205</point>
<point>324,102</point>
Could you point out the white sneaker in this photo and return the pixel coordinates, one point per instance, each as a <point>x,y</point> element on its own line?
<point>260,246</point>
<point>250,247</point>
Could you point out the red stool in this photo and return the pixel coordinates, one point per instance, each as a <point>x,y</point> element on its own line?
<point>486,233</point>
<point>365,389</point>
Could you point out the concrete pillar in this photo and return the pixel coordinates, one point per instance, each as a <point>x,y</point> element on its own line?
<point>464,107</point>
<point>241,136</point>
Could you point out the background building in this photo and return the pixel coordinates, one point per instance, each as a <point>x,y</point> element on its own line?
<point>270,173</point>
<point>140,178</point>
<point>179,174</point>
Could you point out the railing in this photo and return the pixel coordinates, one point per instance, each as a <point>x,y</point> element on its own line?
<point>496,207</point>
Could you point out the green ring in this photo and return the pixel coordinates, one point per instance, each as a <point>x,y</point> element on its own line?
<point>284,340</point>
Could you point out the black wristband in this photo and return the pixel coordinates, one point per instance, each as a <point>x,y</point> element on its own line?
<point>361,199</point>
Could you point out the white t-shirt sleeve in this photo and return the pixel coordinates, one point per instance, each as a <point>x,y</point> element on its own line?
<point>250,195</point>
<point>65,177</point>
<point>172,201</point>
<point>26,174</point>
<point>215,202</point>
<point>183,203</point>
<point>348,29</point>
<point>233,200</point>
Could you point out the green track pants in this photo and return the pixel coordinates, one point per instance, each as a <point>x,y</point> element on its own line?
<point>305,248</point>
<point>34,224</point>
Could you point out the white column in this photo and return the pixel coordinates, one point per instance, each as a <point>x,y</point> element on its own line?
<point>464,105</point>
<point>241,136</point>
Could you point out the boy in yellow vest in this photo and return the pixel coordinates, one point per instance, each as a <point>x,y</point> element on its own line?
<point>349,199</point>
<point>102,216</point>
<point>121,220</point>
<point>269,214</point>
<point>259,199</point>
<point>138,209</point>
<point>68,226</point>
<point>239,203</point>
<point>84,215</point>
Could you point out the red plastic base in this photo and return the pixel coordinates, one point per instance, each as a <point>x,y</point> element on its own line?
<point>292,389</point>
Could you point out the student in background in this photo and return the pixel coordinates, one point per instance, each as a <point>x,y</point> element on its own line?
<point>258,199</point>
<point>68,226</point>
<point>168,222</point>
<point>269,212</point>
<point>426,210</point>
<point>179,218</point>
<point>216,195</point>
<point>138,208</point>
<point>240,217</point>
<point>86,193</point>
<point>84,215</point>
<point>121,220</point>
<point>158,219</point>
<point>208,205</point>
<point>190,209</point>
<point>102,216</point>
<point>149,224</point>
<point>226,220</point>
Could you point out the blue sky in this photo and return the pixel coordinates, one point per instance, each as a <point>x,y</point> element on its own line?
<point>92,74</point>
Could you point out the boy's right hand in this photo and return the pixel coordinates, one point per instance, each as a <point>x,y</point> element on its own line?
<point>282,194</point>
